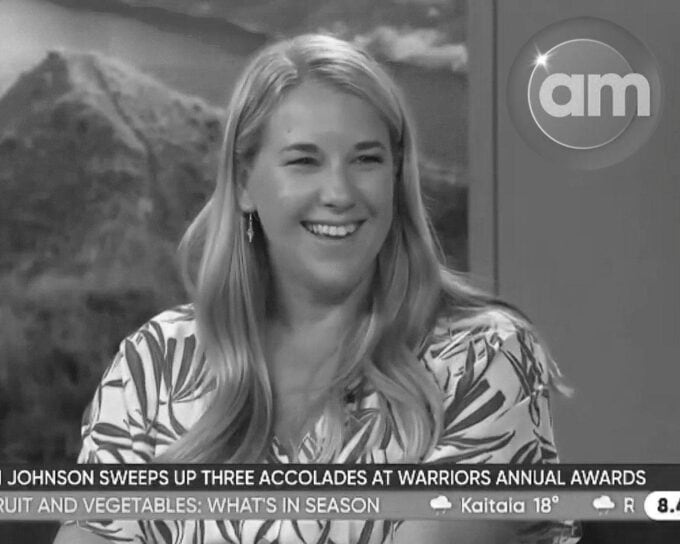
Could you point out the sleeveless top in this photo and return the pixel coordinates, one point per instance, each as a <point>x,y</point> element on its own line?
<point>496,410</point>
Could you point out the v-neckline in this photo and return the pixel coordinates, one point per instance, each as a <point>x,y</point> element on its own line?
<point>306,445</point>
<point>285,455</point>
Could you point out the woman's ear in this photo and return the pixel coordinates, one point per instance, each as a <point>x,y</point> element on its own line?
<point>245,202</point>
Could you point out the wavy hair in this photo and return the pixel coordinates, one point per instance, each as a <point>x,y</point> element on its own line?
<point>230,286</point>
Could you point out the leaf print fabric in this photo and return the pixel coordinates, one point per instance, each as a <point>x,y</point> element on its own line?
<point>496,405</point>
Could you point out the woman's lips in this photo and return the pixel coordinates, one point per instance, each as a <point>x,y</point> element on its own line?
<point>332,230</point>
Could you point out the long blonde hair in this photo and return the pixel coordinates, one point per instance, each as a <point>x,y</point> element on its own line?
<point>231,286</point>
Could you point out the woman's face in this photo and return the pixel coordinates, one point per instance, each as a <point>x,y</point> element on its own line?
<point>322,185</point>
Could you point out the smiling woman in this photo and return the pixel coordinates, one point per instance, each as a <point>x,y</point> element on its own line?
<point>323,326</point>
<point>322,187</point>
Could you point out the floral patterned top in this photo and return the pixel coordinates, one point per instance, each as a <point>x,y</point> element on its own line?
<point>494,384</point>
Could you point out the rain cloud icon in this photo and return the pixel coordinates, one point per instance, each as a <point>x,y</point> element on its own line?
<point>440,504</point>
<point>603,502</point>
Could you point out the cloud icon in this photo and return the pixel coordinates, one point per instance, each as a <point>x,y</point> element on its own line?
<point>441,503</point>
<point>603,502</point>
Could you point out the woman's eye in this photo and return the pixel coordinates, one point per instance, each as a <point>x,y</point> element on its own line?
<point>369,159</point>
<point>302,161</point>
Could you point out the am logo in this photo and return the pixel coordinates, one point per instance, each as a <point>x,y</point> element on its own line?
<point>584,92</point>
<point>578,93</point>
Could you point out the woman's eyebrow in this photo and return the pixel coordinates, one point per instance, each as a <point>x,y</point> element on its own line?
<point>302,147</point>
<point>363,146</point>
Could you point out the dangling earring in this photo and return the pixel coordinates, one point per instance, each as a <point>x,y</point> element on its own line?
<point>250,232</point>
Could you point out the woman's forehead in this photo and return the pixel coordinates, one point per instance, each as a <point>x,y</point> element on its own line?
<point>317,111</point>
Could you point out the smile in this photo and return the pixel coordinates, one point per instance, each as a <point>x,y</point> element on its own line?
<point>332,231</point>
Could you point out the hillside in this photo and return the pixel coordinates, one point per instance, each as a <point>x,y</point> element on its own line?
<point>101,168</point>
<point>96,160</point>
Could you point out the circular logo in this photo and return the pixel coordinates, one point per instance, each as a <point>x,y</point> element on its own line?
<point>585,92</point>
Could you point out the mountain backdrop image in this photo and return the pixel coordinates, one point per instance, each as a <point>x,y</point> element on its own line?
<point>111,116</point>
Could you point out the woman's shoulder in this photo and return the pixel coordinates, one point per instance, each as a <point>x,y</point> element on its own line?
<point>152,391</point>
<point>162,342</point>
<point>164,351</point>
<point>176,323</point>
<point>495,379</point>
<point>162,336</point>
<point>488,342</point>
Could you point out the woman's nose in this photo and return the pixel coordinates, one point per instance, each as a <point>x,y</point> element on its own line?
<point>336,188</point>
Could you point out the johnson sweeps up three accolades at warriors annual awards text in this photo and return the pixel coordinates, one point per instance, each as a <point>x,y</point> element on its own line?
<point>396,476</point>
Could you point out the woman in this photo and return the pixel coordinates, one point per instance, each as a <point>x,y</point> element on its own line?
<point>324,327</point>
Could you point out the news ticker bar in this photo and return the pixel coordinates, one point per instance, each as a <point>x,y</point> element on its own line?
<point>296,477</point>
<point>414,505</point>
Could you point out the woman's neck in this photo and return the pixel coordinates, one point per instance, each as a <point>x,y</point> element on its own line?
<point>298,308</point>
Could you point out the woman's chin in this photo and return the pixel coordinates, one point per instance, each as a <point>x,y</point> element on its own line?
<point>337,285</point>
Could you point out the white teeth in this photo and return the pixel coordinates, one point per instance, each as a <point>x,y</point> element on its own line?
<point>334,231</point>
